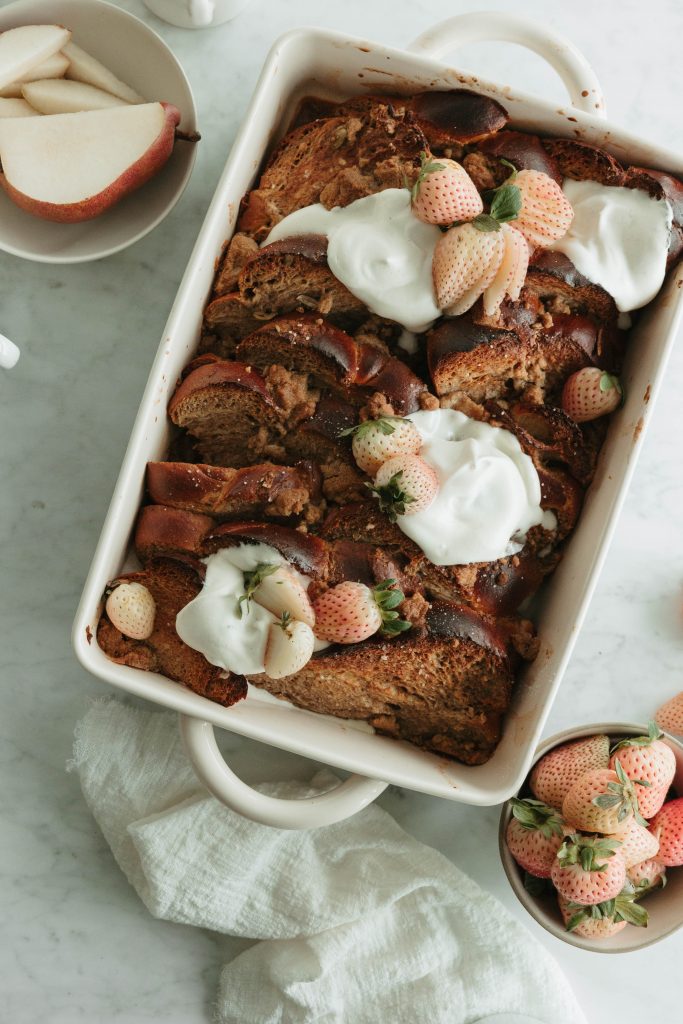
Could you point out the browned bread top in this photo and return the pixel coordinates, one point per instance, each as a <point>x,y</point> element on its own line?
<point>583,162</point>
<point>351,369</point>
<point>172,584</point>
<point>224,492</point>
<point>333,159</point>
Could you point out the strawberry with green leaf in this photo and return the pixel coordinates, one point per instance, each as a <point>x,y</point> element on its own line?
<point>600,920</point>
<point>588,869</point>
<point>649,761</point>
<point>352,612</point>
<point>405,485</point>
<point>444,192</point>
<point>602,800</point>
<point>376,441</point>
<point>534,835</point>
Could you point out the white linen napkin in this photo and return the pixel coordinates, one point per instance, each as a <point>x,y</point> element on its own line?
<point>360,923</point>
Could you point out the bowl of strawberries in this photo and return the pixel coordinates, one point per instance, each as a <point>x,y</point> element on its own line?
<point>593,841</point>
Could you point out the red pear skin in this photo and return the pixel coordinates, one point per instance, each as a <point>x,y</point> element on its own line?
<point>149,164</point>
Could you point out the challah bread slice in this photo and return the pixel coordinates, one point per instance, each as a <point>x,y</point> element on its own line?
<point>227,493</point>
<point>443,687</point>
<point>228,408</point>
<point>350,369</point>
<point>365,151</point>
<point>172,584</point>
<point>284,277</point>
<point>232,413</point>
<point>583,162</point>
<point>484,361</point>
<point>449,119</point>
<point>555,281</point>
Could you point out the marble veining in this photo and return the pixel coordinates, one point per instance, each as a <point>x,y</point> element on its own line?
<point>76,945</point>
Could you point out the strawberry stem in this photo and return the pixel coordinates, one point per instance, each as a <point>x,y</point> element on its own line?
<point>392,498</point>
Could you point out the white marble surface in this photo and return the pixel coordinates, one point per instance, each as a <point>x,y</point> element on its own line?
<point>75,943</point>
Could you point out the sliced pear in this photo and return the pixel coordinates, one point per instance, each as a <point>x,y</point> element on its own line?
<point>71,167</point>
<point>53,67</point>
<point>61,96</point>
<point>22,49</point>
<point>16,108</point>
<point>84,68</point>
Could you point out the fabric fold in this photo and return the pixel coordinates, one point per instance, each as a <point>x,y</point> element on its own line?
<point>358,921</point>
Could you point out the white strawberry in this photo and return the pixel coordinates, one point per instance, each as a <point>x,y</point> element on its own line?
<point>637,844</point>
<point>648,875</point>
<point>375,441</point>
<point>405,485</point>
<point>511,272</point>
<point>590,393</point>
<point>352,612</point>
<point>281,591</point>
<point>466,260</point>
<point>546,213</point>
<point>670,715</point>
<point>288,648</point>
<point>131,610</point>
<point>444,192</point>
<point>600,920</point>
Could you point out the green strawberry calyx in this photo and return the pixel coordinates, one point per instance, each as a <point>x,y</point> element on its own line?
<point>653,733</point>
<point>388,596</point>
<point>536,816</point>
<point>427,166</point>
<point>252,579</point>
<point>506,203</point>
<point>586,851</point>
<point>392,496</point>
<point>385,425</point>
<point>622,908</point>
<point>621,794</point>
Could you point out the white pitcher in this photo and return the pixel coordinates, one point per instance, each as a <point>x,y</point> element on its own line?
<point>196,13</point>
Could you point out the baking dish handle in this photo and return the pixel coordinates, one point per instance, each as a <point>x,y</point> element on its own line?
<point>346,799</point>
<point>497,26</point>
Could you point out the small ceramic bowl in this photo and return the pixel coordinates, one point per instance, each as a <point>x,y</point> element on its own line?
<point>138,56</point>
<point>664,906</point>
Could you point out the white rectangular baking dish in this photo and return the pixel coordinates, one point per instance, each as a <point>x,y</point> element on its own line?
<point>323,63</point>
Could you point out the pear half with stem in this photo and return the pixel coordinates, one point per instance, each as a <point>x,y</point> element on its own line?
<point>72,167</point>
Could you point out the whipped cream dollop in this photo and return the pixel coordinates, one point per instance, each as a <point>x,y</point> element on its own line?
<point>379,250</point>
<point>489,491</point>
<point>212,624</point>
<point>619,239</point>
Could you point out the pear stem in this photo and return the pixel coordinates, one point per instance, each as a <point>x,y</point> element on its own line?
<point>187,136</point>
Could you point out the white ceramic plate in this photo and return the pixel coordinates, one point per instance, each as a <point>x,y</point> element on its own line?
<point>138,56</point>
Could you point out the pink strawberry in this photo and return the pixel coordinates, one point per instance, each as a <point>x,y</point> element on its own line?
<point>557,770</point>
<point>670,715</point>
<point>650,762</point>
<point>588,870</point>
<point>131,610</point>
<point>534,836</point>
<point>646,876</point>
<point>444,193</point>
<point>667,825</point>
<point>282,591</point>
<point>465,262</point>
<point>375,441</point>
<point>546,213</point>
<point>511,272</point>
<point>351,612</point>
<point>602,800</point>
<point>590,393</point>
<point>405,485</point>
<point>637,844</point>
<point>288,648</point>
<point>600,920</point>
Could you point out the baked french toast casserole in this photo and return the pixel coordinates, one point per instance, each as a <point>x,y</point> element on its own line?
<point>406,371</point>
